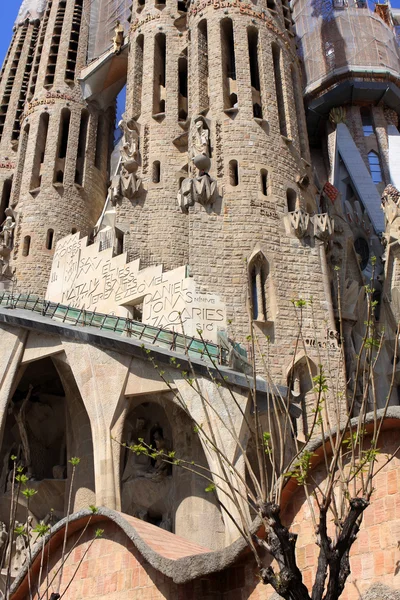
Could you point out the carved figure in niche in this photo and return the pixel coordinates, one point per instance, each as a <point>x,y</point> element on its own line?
<point>118,39</point>
<point>7,232</point>
<point>3,540</point>
<point>301,386</point>
<point>127,183</point>
<point>160,469</point>
<point>200,143</point>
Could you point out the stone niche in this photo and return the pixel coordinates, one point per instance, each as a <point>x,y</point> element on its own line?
<point>41,431</point>
<point>165,495</point>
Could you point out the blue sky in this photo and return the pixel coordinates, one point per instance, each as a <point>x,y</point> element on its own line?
<point>9,11</point>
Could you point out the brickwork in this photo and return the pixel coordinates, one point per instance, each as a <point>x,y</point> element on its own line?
<point>374,556</point>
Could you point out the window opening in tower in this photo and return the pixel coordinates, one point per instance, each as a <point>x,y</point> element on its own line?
<point>202,50</point>
<point>40,150</point>
<point>159,74</point>
<point>229,65</point>
<point>280,98</point>
<point>252,38</point>
<point>62,145</point>
<point>80,159</point>
<point>375,167</point>
<point>183,91</point>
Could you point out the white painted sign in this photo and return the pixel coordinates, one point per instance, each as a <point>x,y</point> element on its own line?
<point>83,277</point>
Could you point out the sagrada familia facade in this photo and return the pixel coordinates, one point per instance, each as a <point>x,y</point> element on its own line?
<point>258,162</point>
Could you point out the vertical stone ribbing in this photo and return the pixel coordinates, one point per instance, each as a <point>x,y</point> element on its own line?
<point>56,191</point>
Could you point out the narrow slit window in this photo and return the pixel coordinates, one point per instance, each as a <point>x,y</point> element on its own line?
<point>5,100</point>
<point>234,173</point>
<point>39,50</point>
<point>204,101</point>
<point>159,74</point>
<point>375,167</point>
<point>280,98</point>
<point>228,65</point>
<point>291,198</point>
<point>252,38</point>
<point>73,230</point>
<point>49,239</point>
<point>62,145</point>
<point>138,77</point>
<point>80,159</point>
<point>264,182</point>
<point>287,15</point>
<point>40,150</point>
<point>156,171</point>
<point>26,245</point>
<point>183,88</point>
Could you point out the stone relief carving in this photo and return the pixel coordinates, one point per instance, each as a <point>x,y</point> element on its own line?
<point>118,39</point>
<point>323,226</point>
<point>298,222</point>
<point>391,209</point>
<point>126,183</point>
<point>6,239</point>
<point>201,188</point>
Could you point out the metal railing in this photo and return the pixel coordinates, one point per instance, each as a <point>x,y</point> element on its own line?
<point>194,347</point>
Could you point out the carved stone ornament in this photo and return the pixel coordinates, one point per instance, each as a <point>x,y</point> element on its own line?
<point>127,184</point>
<point>298,222</point>
<point>201,189</point>
<point>118,39</point>
<point>337,115</point>
<point>323,226</point>
<point>391,208</point>
<point>7,229</point>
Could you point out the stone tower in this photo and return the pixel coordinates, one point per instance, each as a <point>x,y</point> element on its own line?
<point>63,143</point>
<point>227,136</point>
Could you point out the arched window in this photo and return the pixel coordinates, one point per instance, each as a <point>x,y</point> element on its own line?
<point>74,42</point>
<point>375,167</point>
<point>62,147</point>
<point>264,181</point>
<point>228,64</point>
<point>26,245</point>
<point>291,198</point>
<point>40,149</point>
<point>300,383</point>
<point>82,140</point>
<point>156,171</point>
<point>252,40</point>
<point>233,173</point>
<point>280,98</point>
<point>259,281</point>
<point>5,199</point>
<point>49,239</point>
<point>159,74</point>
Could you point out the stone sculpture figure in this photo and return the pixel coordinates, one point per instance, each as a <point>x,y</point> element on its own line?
<point>199,138</point>
<point>7,232</point>
<point>127,183</point>
<point>118,39</point>
<point>203,188</point>
<point>160,468</point>
<point>186,195</point>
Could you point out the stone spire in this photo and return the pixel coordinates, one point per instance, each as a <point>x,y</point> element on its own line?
<point>30,9</point>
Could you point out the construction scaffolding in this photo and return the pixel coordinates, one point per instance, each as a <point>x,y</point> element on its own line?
<point>340,36</point>
<point>104,15</point>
